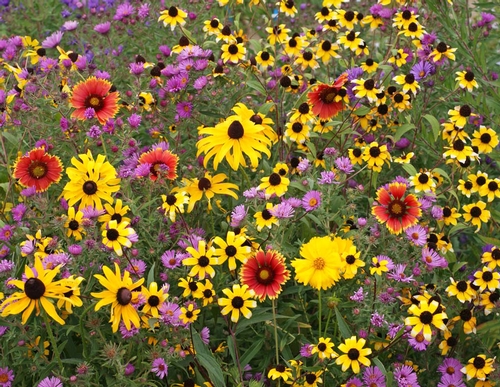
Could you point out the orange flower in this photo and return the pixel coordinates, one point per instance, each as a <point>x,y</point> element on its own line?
<point>94,93</point>
<point>325,100</point>
<point>38,169</point>
<point>162,161</point>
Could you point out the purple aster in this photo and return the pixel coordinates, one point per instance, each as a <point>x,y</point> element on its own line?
<point>159,367</point>
<point>4,251</point>
<point>373,377</point>
<point>70,25</point>
<point>53,40</point>
<point>128,333</point>
<point>170,313</point>
<point>186,65</point>
<point>398,274</point>
<point>129,369</point>
<point>311,200</point>
<point>327,177</point>
<point>354,73</point>
<point>306,349</point>
<point>90,212</point>
<point>330,151</point>
<point>303,165</point>
<point>282,210</point>
<point>377,320</point>
<point>6,266</point>
<point>7,376</point>
<point>123,10</point>
<point>103,28</point>
<point>437,212</point>
<point>171,259</point>
<point>175,84</point>
<point>136,68</point>
<point>200,64</point>
<point>419,343</point>
<point>143,11</point>
<point>405,375</point>
<point>237,215</point>
<point>394,330</point>
<point>53,260</point>
<point>358,296</point>
<point>102,74</point>
<point>89,113</point>
<point>191,52</point>
<point>450,366</point>
<point>429,38</point>
<point>200,83</point>
<point>451,381</point>
<point>165,50</point>
<point>3,329</point>
<point>432,259</point>
<point>417,235</point>
<point>28,192</point>
<point>75,249</point>
<point>251,193</point>
<point>6,232</point>
<point>205,335</point>
<point>354,382</point>
<point>422,69</point>
<point>50,381</point>
<point>344,164</point>
<point>94,131</point>
<point>48,64</point>
<point>134,120</point>
<point>184,109</point>
<point>143,170</point>
<point>136,267</point>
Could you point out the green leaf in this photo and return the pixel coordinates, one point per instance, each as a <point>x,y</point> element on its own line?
<point>265,108</point>
<point>362,111</point>
<point>380,365</point>
<point>256,85</point>
<point>344,329</point>
<point>207,360</point>
<point>11,138</point>
<point>402,130</point>
<point>434,125</point>
<point>151,275</point>
<point>490,240</point>
<point>410,169</point>
<point>251,352</point>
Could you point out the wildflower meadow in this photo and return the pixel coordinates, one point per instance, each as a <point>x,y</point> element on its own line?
<point>249,193</point>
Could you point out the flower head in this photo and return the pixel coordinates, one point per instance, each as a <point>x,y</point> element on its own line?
<point>38,169</point>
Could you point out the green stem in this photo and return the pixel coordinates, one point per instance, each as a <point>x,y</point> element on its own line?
<point>85,313</point>
<point>53,342</point>
<point>328,321</point>
<point>319,312</point>
<point>276,345</point>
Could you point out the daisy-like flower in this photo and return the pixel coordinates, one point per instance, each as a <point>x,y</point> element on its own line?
<point>265,218</point>
<point>116,212</point>
<point>90,181</point>
<point>466,80</point>
<point>173,17</point>
<point>365,88</point>
<point>462,290</point>
<point>162,163</point>
<point>321,265</point>
<point>94,93</point>
<point>38,169</point>
<point>297,132</point>
<point>478,367</point>
<point>238,302</point>
<point>491,258</point>
<point>174,203</point>
<point>469,321</point>
<point>208,186</point>
<point>237,136</point>
<point>189,314</point>
<point>206,292</point>
<point>487,279</point>
<point>74,224</point>
<point>159,367</point>
<point>36,290</point>
<point>442,50</point>
<point>274,184</point>
<point>212,27</point>
<point>280,371</point>
<point>277,34</point>
<point>325,50</point>
<point>476,214</point>
<point>287,7</point>
<point>395,208</point>
<point>460,151</point>
<point>264,59</point>
<point>354,354</point>
<point>323,99</point>
<point>417,235</point>
<point>445,346</point>
<point>399,58</point>
<point>460,115</point>
<point>120,293</point>
<point>201,260</point>
<point>265,273</point>
<point>49,381</point>
<point>376,155</point>
<point>71,294</point>
<point>352,262</point>
<point>424,315</point>
<point>233,52</point>
<point>324,349</point>
<point>117,235</point>
<point>381,264</point>
<point>155,298</point>
<point>423,182</point>
<point>485,139</point>
<point>232,249</point>
<point>306,60</point>
<point>489,301</point>
<point>450,215</point>
<point>190,287</point>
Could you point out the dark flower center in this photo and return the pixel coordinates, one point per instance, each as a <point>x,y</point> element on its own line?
<point>326,45</point>
<point>353,354</point>
<point>154,301</point>
<point>442,47</point>
<point>69,293</point>
<point>487,276</point>
<point>203,261</point>
<point>351,36</point>
<point>375,151</point>
<point>237,302</point>
<point>226,30</point>
<point>89,187</point>
<point>307,55</point>
<point>465,111</point>
<point>423,178</point>
<point>171,199</point>
<point>214,23</point>
<point>230,251</point>
<point>280,368</point>
<point>325,11</point>
<point>469,76</point>
<point>349,15</point>
<point>207,293</point>
<point>297,127</point>
<point>112,234</point>
<point>369,84</point>
<point>383,109</point>
<point>204,184</point>
<point>350,259</point>
<point>413,27</point>
<point>233,49</point>
<point>304,108</point>
<point>34,288</point>
<point>465,315</point>
<point>446,212</point>
<point>462,286</point>
<point>310,378</point>
<point>292,42</point>
<point>494,297</point>
<point>95,102</point>
<point>41,52</point>
<point>189,314</point>
<point>266,215</point>
<point>410,78</point>
<point>397,209</point>
<point>406,15</point>
<point>172,11</point>
<point>468,185</point>
<point>451,341</point>
<point>479,362</point>
<point>37,169</point>
<point>74,225</point>
<point>124,296</point>
<point>426,317</point>
<point>458,145</point>
<point>285,81</point>
<point>274,179</point>
<point>481,180</point>
<point>328,95</point>
<point>485,138</point>
<point>356,152</point>
<point>73,56</point>
<point>475,212</point>
<point>398,98</point>
<point>235,130</point>
<point>256,119</point>
<point>495,254</point>
<point>322,347</point>
<point>332,23</point>
<point>193,286</point>
<point>265,275</point>
<point>493,186</point>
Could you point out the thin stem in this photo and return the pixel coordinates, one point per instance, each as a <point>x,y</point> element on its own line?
<point>53,341</point>
<point>319,314</point>
<point>275,332</point>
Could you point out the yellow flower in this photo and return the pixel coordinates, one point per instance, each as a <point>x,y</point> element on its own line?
<point>71,294</point>
<point>173,204</point>
<point>189,315</point>
<point>74,224</point>
<point>423,182</point>
<point>485,139</point>
<point>265,218</point>
<point>478,367</point>
<point>173,17</point>
<point>376,155</point>
<point>277,34</point>
<point>118,235</point>
<point>466,80</point>
<point>237,301</point>
<point>232,249</point>
<point>274,184</point>
<point>324,349</point>
<point>476,214</point>
<point>425,314</point>
<point>121,294</point>
<point>491,258</point>
<point>365,88</point>
<point>354,354</point>
<point>116,212</point>
<point>280,371</point>
<point>233,52</point>
<point>460,114</point>
<point>442,50</point>
<point>487,279</point>
<point>154,299</point>
<point>201,260</point>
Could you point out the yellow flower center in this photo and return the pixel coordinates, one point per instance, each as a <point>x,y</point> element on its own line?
<point>37,169</point>
<point>319,263</point>
<point>4,378</point>
<point>94,101</point>
<point>312,202</point>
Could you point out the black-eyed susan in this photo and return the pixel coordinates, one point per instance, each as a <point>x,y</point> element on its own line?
<point>71,294</point>
<point>491,258</point>
<point>155,297</point>
<point>189,314</point>
<point>114,212</point>
<point>38,169</point>
<point>91,181</point>
<point>478,367</point>
<point>321,265</point>
<point>274,184</point>
<point>307,60</point>
<point>37,288</point>
<point>172,17</point>
<point>324,349</point>
<point>350,40</point>
<point>401,101</point>
<point>238,302</point>
<point>369,65</point>
<point>352,262</point>
<point>355,354</point>
<point>324,15</point>
<point>116,235</point>
<point>121,294</point>
<point>233,138</point>
<point>94,93</point>
<point>449,342</point>
<point>491,189</point>
<point>174,203</point>
<point>356,156</point>
<point>399,58</point>
<point>466,316</point>
<point>485,139</point>
<point>311,379</point>
<point>415,30</point>
<point>423,182</point>
<point>233,52</point>
<point>425,314</point>
<point>460,115</point>
<point>191,287</point>
<point>277,34</point>
<point>408,82</point>
<point>403,19</point>
<point>451,132</point>
<point>487,279</point>
<point>459,151</point>
<point>294,46</point>
<point>302,114</point>
<point>264,59</point>
<point>265,218</point>
<point>325,50</point>
<point>74,225</point>
<point>376,155</point>
<point>288,7</point>
<point>404,158</point>
<point>476,214</point>
<point>478,180</point>
<point>450,215</point>
<point>162,163</point>
<point>202,259</point>
<point>365,88</point>
<point>212,27</point>
<point>280,371</point>
<point>323,98</point>
<point>347,18</point>
<point>208,186</point>
<point>489,301</point>
<point>265,273</point>
<point>466,80</point>
<point>332,25</point>
<point>206,292</point>
<point>297,132</point>
<point>462,290</point>
<point>233,248</point>
<point>374,21</point>
<point>442,50</point>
